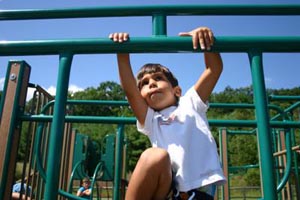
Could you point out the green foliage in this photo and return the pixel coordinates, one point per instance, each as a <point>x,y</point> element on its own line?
<point>105,91</point>
<point>252,177</point>
<point>242,150</point>
<point>25,141</point>
<point>232,96</point>
<point>137,143</point>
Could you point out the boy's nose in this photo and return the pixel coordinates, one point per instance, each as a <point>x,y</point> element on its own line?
<point>152,83</point>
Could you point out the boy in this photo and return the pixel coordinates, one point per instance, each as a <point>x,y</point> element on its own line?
<point>85,190</point>
<point>19,190</point>
<point>184,154</point>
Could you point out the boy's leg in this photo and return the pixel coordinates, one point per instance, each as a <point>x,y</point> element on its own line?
<point>152,176</point>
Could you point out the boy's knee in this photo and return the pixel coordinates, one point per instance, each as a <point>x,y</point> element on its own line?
<point>155,156</point>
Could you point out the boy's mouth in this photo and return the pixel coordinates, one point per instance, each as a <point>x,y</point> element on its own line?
<point>154,94</point>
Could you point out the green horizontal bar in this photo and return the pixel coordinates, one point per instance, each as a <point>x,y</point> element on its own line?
<point>82,119</point>
<point>242,105</point>
<point>148,44</point>
<point>253,123</point>
<point>284,98</point>
<point>125,103</point>
<point>236,168</point>
<point>241,132</point>
<point>97,102</point>
<point>132,120</point>
<point>170,10</point>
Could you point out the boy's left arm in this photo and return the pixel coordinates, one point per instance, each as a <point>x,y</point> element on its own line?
<point>88,191</point>
<point>203,37</point>
<point>210,76</point>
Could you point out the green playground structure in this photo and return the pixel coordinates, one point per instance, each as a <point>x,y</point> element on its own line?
<point>57,152</point>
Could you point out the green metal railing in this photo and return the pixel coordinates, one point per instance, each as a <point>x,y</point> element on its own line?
<point>254,46</point>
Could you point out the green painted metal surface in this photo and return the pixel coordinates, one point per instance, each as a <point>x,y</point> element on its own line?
<point>148,44</point>
<point>132,120</point>
<point>170,10</point>
<point>80,154</point>
<point>57,128</point>
<point>119,160</point>
<point>159,25</point>
<point>108,157</point>
<point>268,182</point>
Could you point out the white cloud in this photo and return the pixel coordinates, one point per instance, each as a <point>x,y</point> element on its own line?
<point>268,79</point>
<point>72,89</point>
<point>51,90</point>
<point>268,82</point>
<point>2,83</point>
<point>30,92</point>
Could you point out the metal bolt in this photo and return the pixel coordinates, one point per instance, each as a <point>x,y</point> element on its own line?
<point>13,77</point>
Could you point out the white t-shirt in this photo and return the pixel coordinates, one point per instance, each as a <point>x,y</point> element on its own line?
<point>183,131</point>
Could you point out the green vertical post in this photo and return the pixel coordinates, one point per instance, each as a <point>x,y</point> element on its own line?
<point>57,127</point>
<point>159,25</point>
<point>263,126</point>
<point>276,160</point>
<point>118,161</point>
<point>288,165</point>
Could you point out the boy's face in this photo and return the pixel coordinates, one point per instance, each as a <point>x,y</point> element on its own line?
<point>86,184</point>
<point>158,92</point>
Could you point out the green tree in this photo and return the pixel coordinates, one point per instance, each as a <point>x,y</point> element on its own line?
<point>105,91</point>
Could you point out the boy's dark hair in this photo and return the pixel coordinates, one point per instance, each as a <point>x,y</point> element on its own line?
<point>150,68</point>
<point>85,180</point>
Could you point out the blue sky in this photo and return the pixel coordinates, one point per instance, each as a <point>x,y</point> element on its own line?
<point>281,70</point>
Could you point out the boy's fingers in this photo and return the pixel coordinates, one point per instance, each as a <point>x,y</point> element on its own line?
<point>201,40</point>
<point>207,40</point>
<point>119,37</point>
<point>125,36</point>
<point>211,37</point>
<point>194,38</point>
<point>122,37</point>
<point>203,37</point>
<point>184,34</point>
<point>113,36</point>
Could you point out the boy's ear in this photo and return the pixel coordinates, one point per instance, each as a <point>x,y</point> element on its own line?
<point>177,91</point>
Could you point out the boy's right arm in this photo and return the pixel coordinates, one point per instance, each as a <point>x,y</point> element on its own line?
<point>128,82</point>
<point>79,192</point>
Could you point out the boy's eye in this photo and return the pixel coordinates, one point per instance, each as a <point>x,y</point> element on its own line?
<point>158,78</point>
<point>143,83</point>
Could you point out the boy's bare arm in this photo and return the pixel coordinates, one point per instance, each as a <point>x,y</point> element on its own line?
<point>210,76</point>
<point>128,81</point>
<point>130,88</point>
<point>204,38</point>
